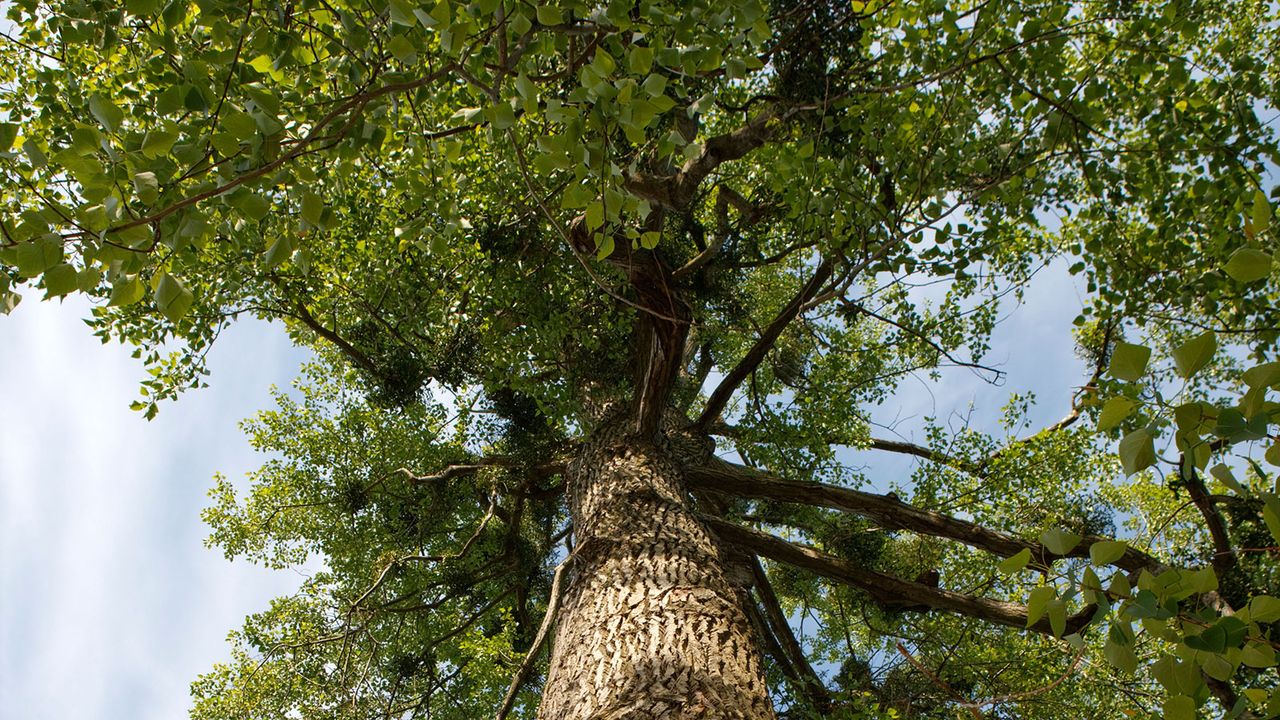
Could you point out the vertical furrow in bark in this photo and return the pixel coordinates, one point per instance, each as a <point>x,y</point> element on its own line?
<point>651,627</point>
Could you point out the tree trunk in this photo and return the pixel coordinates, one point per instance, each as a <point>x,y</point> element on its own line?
<point>651,626</point>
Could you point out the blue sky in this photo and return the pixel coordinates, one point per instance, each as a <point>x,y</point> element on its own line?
<point>109,602</point>
<point>103,572</point>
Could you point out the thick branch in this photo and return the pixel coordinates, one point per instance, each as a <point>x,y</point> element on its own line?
<point>353,354</point>
<point>1224,555</point>
<point>676,191</point>
<point>805,677</point>
<point>887,589</point>
<point>720,396</point>
<point>890,512</point>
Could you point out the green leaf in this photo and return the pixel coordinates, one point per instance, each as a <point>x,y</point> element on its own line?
<point>649,240</point>
<point>1257,655</point>
<point>640,59</point>
<point>172,298</point>
<point>1264,375</point>
<point>1120,655</point>
<point>402,49</point>
<point>1191,356</point>
<point>225,143</point>
<point>1272,455</point>
<point>59,280</point>
<point>34,154</point>
<point>1224,475</point>
<point>1057,611</point>
<point>1038,602</point>
<point>654,86</point>
<point>595,215</point>
<point>1261,214</point>
<point>1128,361</point>
<point>1179,707</point>
<point>1213,639</point>
<point>603,62</point>
<point>1217,667</point>
<point>279,251</point>
<point>8,136</point>
<point>253,205</point>
<point>267,66</point>
<point>87,279</point>
<point>106,112</point>
<point>1233,425</point>
<point>549,15</point>
<point>85,140</point>
<point>1105,552</point>
<point>442,14</point>
<point>36,257</point>
<point>402,13</point>
<point>1248,265</point>
<point>147,187</point>
<point>1059,541</point>
<point>142,8</point>
<point>1114,411</point>
<point>312,208</point>
<point>158,142</point>
<point>170,100</point>
<point>501,115</point>
<point>1137,451</point>
<point>125,290</point>
<point>1271,514</point>
<point>1016,562</point>
<point>605,248</point>
<point>241,125</point>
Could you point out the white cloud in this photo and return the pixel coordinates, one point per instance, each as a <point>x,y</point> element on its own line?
<point>105,586</point>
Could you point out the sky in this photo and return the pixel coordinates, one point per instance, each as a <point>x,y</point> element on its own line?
<point>110,605</point>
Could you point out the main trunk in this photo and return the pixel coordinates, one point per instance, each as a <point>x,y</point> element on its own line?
<point>651,626</point>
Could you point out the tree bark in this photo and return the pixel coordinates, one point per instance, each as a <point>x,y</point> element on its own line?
<point>652,625</point>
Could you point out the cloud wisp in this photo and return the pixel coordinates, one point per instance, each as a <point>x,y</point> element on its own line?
<point>105,585</point>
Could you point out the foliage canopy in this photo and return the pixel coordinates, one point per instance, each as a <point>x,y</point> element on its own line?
<point>492,219</point>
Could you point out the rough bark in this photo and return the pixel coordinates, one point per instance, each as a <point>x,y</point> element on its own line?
<point>651,625</point>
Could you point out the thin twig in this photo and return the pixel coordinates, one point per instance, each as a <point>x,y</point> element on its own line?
<point>940,683</point>
<point>553,606</point>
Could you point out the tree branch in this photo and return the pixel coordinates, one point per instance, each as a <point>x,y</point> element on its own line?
<point>522,674</point>
<point>353,354</point>
<point>720,396</point>
<point>1224,555</point>
<point>887,589</point>
<point>890,512</point>
<point>676,191</point>
<point>806,679</point>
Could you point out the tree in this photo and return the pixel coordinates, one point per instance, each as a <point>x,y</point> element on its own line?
<point>598,291</point>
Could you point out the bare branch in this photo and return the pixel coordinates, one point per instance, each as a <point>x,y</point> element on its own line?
<point>808,681</point>
<point>887,589</point>
<point>720,396</point>
<point>890,512</point>
<point>553,606</point>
